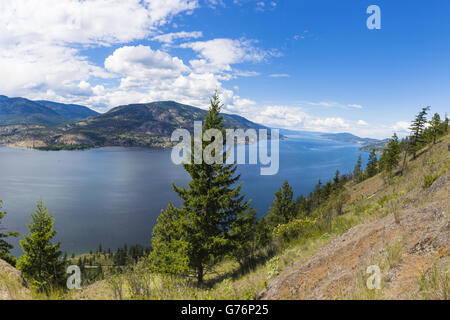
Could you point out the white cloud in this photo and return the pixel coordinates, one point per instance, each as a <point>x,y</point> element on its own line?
<point>362,123</point>
<point>40,41</point>
<point>279,75</point>
<point>141,65</point>
<point>401,126</point>
<point>218,55</point>
<point>356,106</point>
<point>169,38</point>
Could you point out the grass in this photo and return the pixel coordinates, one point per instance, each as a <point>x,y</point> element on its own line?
<point>435,283</point>
<point>429,179</point>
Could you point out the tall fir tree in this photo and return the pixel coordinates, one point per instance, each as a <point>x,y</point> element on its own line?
<point>372,164</point>
<point>211,205</point>
<point>5,246</point>
<point>283,207</point>
<point>41,263</point>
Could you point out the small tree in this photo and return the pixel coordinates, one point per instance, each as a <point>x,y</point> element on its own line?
<point>5,247</point>
<point>170,249</point>
<point>391,156</point>
<point>41,263</point>
<point>357,169</point>
<point>372,164</point>
<point>435,127</point>
<point>417,128</point>
<point>283,207</point>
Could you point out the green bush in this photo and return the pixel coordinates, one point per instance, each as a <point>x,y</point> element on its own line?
<point>429,179</point>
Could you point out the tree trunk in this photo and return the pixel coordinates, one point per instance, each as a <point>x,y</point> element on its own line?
<point>200,276</point>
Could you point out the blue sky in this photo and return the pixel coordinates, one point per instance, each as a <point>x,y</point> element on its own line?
<point>305,65</point>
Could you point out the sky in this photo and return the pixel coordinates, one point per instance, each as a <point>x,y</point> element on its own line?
<point>294,64</point>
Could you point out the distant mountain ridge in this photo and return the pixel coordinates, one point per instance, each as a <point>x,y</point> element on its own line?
<point>134,125</point>
<point>21,111</point>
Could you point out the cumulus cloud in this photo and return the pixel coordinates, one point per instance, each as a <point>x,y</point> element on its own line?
<point>218,55</point>
<point>141,65</point>
<point>40,41</point>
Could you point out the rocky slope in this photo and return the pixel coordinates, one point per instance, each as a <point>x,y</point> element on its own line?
<point>12,285</point>
<point>407,235</point>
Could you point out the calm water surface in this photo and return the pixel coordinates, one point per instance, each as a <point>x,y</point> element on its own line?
<point>114,195</point>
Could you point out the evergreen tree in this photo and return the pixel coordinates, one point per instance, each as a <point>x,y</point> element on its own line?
<point>5,247</point>
<point>41,263</point>
<point>245,236</point>
<point>170,247</point>
<point>283,207</point>
<point>417,128</point>
<point>211,205</point>
<point>435,127</point>
<point>357,169</point>
<point>445,125</point>
<point>372,164</point>
<point>391,156</point>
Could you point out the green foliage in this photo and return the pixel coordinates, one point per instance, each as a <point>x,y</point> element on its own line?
<point>244,235</point>
<point>391,157</point>
<point>294,229</point>
<point>435,284</point>
<point>429,179</point>
<point>41,263</point>
<point>211,206</point>
<point>283,207</point>
<point>435,127</point>
<point>417,128</point>
<point>170,247</point>
<point>5,247</point>
<point>357,170</point>
<point>372,164</point>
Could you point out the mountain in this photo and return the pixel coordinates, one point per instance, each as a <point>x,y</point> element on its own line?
<point>21,111</point>
<point>348,137</point>
<point>134,125</point>
<point>378,146</point>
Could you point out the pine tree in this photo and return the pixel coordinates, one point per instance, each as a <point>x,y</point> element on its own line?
<point>445,125</point>
<point>435,127</point>
<point>417,128</point>
<point>41,263</point>
<point>5,247</point>
<point>357,169</point>
<point>170,247</point>
<point>283,207</point>
<point>372,164</point>
<point>211,205</point>
<point>391,156</point>
<point>245,236</point>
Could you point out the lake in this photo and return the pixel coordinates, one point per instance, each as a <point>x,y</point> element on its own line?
<point>113,196</point>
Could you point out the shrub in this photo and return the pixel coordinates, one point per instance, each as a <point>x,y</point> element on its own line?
<point>429,179</point>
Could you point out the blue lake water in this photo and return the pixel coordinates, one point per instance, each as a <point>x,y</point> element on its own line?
<point>114,195</point>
